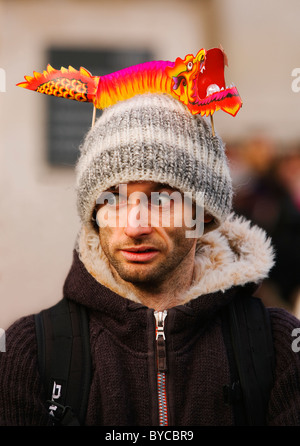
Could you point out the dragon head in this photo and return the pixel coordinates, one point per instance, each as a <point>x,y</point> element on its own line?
<point>199,83</point>
<point>185,73</point>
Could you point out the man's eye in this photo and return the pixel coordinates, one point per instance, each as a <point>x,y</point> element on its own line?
<point>112,200</point>
<point>160,199</point>
<point>116,199</point>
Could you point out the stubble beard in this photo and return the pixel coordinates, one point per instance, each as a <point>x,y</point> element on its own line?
<point>148,275</point>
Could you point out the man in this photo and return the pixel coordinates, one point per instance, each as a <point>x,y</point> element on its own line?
<point>154,261</point>
<point>155,293</point>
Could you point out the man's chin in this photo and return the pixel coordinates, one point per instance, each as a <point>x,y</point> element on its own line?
<point>139,274</point>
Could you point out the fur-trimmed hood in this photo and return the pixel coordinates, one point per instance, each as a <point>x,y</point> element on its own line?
<point>236,253</point>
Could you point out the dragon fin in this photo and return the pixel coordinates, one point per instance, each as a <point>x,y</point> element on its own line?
<point>68,83</point>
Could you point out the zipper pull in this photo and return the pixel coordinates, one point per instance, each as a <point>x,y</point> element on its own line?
<point>160,317</point>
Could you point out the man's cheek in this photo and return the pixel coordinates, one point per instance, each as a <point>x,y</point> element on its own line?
<point>104,237</point>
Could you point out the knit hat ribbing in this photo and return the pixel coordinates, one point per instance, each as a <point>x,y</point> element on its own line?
<point>153,137</point>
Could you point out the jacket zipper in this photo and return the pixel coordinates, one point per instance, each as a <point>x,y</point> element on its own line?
<point>161,359</point>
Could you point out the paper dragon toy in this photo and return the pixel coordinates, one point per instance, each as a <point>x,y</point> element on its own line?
<point>198,82</point>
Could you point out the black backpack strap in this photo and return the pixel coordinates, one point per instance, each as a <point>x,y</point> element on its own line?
<point>64,360</point>
<point>253,351</point>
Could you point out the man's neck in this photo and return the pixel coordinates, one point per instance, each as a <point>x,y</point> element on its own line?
<point>160,301</point>
<point>167,294</point>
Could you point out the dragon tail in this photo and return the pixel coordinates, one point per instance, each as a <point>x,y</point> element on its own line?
<point>78,85</point>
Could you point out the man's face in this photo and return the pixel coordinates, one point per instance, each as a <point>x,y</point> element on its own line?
<point>141,247</point>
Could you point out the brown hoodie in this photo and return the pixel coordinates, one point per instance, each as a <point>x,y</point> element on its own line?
<point>124,389</point>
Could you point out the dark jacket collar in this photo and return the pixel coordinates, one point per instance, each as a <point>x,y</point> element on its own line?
<point>83,288</point>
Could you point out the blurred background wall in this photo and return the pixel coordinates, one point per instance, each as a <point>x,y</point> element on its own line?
<point>38,218</point>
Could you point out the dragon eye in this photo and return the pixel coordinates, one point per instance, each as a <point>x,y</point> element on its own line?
<point>189,66</point>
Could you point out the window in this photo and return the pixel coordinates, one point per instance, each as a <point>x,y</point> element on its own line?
<point>68,120</point>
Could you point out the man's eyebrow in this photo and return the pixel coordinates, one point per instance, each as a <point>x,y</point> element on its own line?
<point>112,189</point>
<point>164,186</point>
<point>157,187</point>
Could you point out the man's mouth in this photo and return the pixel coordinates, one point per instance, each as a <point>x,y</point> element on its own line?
<point>139,253</point>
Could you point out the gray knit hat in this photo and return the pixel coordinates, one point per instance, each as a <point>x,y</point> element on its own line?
<point>153,137</point>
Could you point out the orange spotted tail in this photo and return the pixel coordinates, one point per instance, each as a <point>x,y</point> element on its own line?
<point>65,83</point>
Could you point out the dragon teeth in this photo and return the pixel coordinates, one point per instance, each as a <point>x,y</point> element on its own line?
<point>212,88</point>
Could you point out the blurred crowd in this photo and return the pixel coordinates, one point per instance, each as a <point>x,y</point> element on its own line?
<point>267,191</point>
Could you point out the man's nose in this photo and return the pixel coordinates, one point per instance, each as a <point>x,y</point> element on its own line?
<point>136,232</point>
<point>138,221</point>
